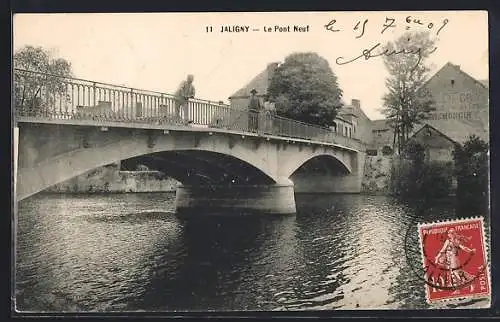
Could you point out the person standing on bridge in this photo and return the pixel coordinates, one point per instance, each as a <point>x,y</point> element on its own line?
<point>184,93</point>
<point>268,114</point>
<point>254,108</point>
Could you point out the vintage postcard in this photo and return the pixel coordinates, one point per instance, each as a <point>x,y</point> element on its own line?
<point>251,161</point>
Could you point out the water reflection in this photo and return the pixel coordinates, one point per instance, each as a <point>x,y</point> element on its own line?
<point>206,268</point>
<point>129,253</point>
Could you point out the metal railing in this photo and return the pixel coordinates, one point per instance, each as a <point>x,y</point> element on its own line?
<point>47,96</point>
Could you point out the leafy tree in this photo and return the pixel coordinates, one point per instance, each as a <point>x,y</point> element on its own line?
<point>36,84</point>
<point>305,88</point>
<point>415,178</point>
<point>404,104</point>
<point>471,169</point>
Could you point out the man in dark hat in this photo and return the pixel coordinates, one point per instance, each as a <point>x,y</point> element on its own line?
<point>254,108</point>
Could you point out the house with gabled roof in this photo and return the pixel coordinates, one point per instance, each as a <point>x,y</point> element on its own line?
<point>438,146</point>
<point>461,109</point>
<point>461,101</point>
<point>239,100</point>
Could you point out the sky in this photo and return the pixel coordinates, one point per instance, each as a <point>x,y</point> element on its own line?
<point>155,51</point>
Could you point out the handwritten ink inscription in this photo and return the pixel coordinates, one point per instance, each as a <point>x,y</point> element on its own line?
<point>390,22</point>
<point>429,24</point>
<point>362,25</point>
<point>369,53</point>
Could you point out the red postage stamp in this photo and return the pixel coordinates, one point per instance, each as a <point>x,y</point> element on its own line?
<point>454,259</point>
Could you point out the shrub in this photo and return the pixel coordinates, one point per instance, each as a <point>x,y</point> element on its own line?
<point>413,178</point>
<point>437,179</point>
<point>471,170</point>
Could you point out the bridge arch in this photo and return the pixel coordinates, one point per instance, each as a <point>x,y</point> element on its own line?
<point>324,163</point>
<point>61,166</point>
<point>293,164</point>
<point>203,167</point>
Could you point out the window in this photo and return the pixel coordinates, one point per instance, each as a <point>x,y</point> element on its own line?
<point>452,82</point>
<point>387,150</point>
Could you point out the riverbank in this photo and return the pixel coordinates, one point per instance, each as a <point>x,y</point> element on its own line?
<point>377,175</point>
<point>110,179</point>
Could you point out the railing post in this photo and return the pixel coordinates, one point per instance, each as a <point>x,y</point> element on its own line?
<point>93,90</point>
<point>45,109</point>
<point>66,98</point>
<point>131,108</point>
<point>162,106</point>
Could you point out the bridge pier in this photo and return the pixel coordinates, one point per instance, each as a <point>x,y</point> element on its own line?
<point>236,199</point>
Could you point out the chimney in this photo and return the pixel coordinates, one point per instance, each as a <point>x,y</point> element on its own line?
<point>271,68</point>
<point>356,103</point>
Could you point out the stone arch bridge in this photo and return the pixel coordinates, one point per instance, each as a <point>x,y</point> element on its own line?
<point>221,165</point>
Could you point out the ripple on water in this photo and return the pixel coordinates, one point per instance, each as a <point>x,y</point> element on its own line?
<point>130,252</point>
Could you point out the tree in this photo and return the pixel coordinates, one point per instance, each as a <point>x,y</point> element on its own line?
<point>305,88</point>
<point>414,178</point>
<point>472,171</point>
<point>36,82</point>
<point>404,104</point>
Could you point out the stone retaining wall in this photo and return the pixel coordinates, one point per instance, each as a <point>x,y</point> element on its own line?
<point>377,174</point>
<point>111,179</point>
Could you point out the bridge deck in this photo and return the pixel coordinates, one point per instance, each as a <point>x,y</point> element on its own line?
<point>44,98</point>
<point>172,127</point>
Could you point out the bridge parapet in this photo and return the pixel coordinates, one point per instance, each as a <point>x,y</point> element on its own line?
<point>41,97</point>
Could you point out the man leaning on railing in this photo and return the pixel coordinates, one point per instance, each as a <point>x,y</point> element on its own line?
<point>268,115</point>
<point>184,93</point>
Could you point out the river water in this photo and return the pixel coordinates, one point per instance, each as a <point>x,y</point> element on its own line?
<point>129,252</point>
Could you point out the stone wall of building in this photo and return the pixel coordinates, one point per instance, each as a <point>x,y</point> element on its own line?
<point>462,103</point>
<point>111,179</point>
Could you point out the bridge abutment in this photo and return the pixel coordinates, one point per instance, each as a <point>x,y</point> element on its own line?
<point>236,199</point>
